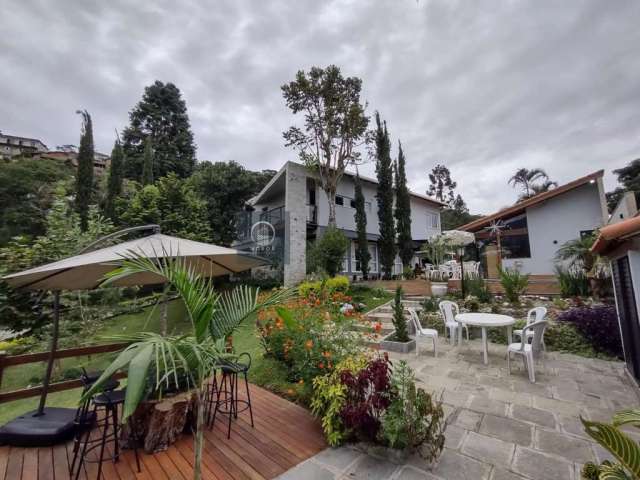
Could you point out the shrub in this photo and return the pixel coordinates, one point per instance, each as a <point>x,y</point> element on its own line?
<point>514,283</point>
<point>329,396</point>
<point>408,273</point>
<point>339,283</point>
<point>367,396</point>
<point>429,305</point>
<point>399,321</point>
<point>330,250</point>
<point>413,418</point>
<point>478,288</point>
<point>573,283</point>
<point>472,304</point>
<point>305,289</point>
<point>598,324</point>
<point>309,337</point>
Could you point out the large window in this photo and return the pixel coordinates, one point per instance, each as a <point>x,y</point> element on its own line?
<point>433,220</point>
<point>515,238</point>
<point>355,260</point>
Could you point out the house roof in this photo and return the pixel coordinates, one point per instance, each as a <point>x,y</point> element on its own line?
<point>520,207</point>
<point>613,234</point>
<point>275,178</point>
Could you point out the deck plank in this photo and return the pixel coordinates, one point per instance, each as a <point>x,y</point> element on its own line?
<point>284,435</point>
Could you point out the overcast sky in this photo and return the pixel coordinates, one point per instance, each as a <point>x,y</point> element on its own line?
<point>483,87</point>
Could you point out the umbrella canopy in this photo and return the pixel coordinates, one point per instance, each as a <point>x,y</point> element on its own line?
<point>87,270</point>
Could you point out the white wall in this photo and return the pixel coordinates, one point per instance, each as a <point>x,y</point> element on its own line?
<point>626,208</point>
<point>421,228</point>
<point>555,222</point>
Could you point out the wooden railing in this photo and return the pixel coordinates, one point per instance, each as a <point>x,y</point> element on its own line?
<point>13,360</point>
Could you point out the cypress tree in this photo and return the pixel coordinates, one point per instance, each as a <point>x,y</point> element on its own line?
<point>362,249</point>
<point>114,183</point>
<point>384,195</point>
<point>147,163</point>
<point>403,211</point>
<point>84,174</point>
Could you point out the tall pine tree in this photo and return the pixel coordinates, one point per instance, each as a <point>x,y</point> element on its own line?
<point>114,183</point>
<point>161,115</point>
<point>403,211</point>
<point>384,196</point>
<point>362,248</point>
<point>147,163</point>
<point>84,174</point>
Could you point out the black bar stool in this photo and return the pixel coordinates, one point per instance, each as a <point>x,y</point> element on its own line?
<point>227,398</point>
<point>85,418</point>
<point>105,403</point>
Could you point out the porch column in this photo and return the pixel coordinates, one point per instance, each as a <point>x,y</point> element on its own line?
<point>295,241</point>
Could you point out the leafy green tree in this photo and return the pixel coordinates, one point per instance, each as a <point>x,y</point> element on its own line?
<point>362,248</point>
<point>335,124</point>
<point>441,186</point>
<point>63,237</point>
<point>173,204</point>
<point>403,210</point>
<point>84,175</point>
<point>114,182</point>
<point>162,116</point>
<point>528,181</point>
<point>26,194</point>
<point>330,250</point>
<point>147,163</point>
<point>225,187</point>
<point>457,215</point>
<point>629,178</point>
<point>384,195</point>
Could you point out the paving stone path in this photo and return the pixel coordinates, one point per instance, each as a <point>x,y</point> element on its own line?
<point>499,426</point>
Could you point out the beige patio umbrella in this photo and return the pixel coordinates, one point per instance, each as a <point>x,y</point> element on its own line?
<point>87,270</point>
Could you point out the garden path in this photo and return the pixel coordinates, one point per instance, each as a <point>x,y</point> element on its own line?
<point>500,426</point>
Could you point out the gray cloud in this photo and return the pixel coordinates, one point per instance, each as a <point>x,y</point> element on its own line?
<point>483,87</point>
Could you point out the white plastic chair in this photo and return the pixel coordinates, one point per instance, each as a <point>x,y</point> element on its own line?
<point>423,332</point>
<point>529,351</point>
<point>449,310</point>
<point>536,314</point>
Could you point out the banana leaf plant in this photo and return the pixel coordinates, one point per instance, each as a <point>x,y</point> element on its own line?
<point>168,360</point>
<point>623,448</point>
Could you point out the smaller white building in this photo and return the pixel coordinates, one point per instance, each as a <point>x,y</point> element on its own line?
<point>535,228</point>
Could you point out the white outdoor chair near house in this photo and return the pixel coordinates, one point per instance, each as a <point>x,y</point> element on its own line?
<point>529,351</point>
<point>471,269</point>
<point>423,332</point>
<point>536,314</point>
<point>449,310</point>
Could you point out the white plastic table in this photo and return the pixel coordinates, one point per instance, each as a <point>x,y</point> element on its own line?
<point>484,320</point>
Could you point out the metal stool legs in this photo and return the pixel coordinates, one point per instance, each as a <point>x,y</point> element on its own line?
<point>228,401</point>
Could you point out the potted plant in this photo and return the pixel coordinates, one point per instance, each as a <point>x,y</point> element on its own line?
<point>399,340</point>
<point>184,363</point>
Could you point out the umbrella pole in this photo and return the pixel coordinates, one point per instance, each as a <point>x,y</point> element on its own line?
<point>52,352</point>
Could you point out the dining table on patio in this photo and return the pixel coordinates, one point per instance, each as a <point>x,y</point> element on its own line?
<point>484,321</point>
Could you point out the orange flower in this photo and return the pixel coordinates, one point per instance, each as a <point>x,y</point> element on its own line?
<point>290,391</point>
<point>326,354</point>
<point>308,344</point>
<point>330,365</point>
<point>317,302</point>
<point>377,327</point>
<point>321,365</point>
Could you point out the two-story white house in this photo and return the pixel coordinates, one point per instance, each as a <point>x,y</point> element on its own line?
<point>296,208</point>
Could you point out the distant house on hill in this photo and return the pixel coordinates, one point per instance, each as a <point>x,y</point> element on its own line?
<point>13,146</point>
<point>534,229</point>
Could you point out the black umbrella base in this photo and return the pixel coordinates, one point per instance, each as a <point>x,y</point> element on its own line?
<point>56,425</point>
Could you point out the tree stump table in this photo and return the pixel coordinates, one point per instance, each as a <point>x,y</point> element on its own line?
<point>157,424</point>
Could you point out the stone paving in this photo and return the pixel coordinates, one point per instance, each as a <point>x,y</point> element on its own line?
<point>499,426</point>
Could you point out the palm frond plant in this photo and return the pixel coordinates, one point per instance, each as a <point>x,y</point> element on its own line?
<point>526,178</point>
<point>578,252</point>
<point>621,446</point>
<point>513,283</point>
<point>169,360</point>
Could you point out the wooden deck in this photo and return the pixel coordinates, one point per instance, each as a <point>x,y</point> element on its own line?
<point>285,434</point>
